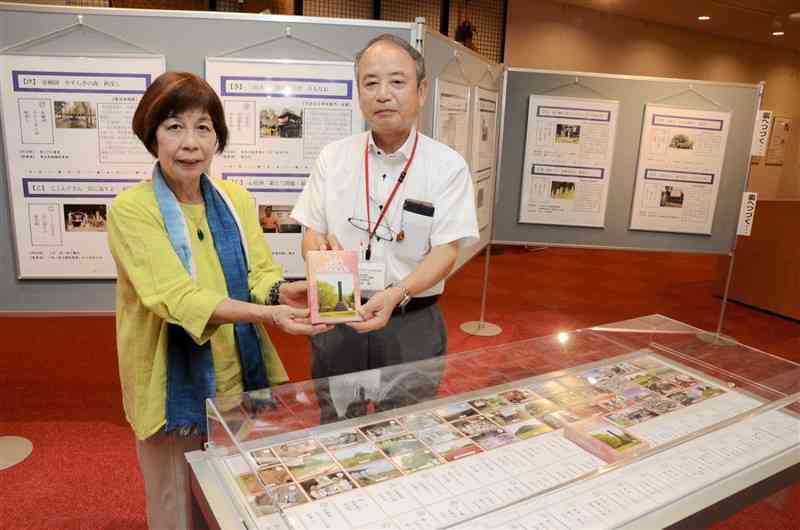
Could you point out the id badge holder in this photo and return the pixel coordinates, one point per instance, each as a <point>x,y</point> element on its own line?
<point>372,277</point>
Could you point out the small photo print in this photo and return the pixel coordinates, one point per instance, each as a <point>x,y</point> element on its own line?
<point>540,407</point>
<point>457,449</point>
<point>560,418</point>
<point>280,121</point>
<point>474,426</point>
<point>587,410</point>
<point>275,475</point>
<point>356,455</point>
<point>437,435</point>
<point>456,411</point>
<point>417,461</point>
<point>296,448</point>
<point>333,291</point>
<point>613,403</point>
<point>336,295</point>
<point>492,439</point>
<point>75,115</point>
<point>488,402</point>
<point>383,429</point>
<point>568,399</point>
<point>635,395</point>
<point>400,445</point>
<point>264,457</point>
<point>681,141</point>
<point>529,429</point>
<point>661,386</point>
<point>615,438</point>
<point>284,496</point>
<point>518,395</point>
<point>327,485</point>
<point>508,415</point>
<point>630,417</point>
<point>85,217</point>
<point>616,384</point>
<point>340,439</point>
<point>374,472</point>
<point>562,190</point>
<point>567,133</point>
<point>660,405</point>
<point>418,422</point>
<point>671,197</point>
<point>276,219</point>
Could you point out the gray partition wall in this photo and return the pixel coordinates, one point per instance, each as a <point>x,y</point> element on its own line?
<point>448,60</point>
<point>633,93</point>
<point>185,39</point>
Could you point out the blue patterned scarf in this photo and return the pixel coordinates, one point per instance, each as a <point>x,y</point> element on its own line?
<point>190,367</point>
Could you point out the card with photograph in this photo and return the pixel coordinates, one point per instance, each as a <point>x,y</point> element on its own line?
<point>488,402</point>
<point>356,455</point>
<point>327,485</point>
<point>383,429</point>
<point>548,388</point>
<point>456,411</point>
<point>286,496</point>
<point>529,429</point>
<point>406,443</point>
<point>631,416</point>
<point>660,405</point>
<point>334,295</point>
<point>339,439</point>
<point>559,418</point>
<point>474,425</point>
<point>310,464</point>
<point>374,472</point>
<point>275,475</point>
<point>540,407</point>
<point>421,421</point>
<point>264,457</point>
<point>604,440</point>
<point>437,435</point>
<point>518,395</point>
<point>457,449</point>
<point>416,461</point>
<point>492,439</point>
<point>509,415</point>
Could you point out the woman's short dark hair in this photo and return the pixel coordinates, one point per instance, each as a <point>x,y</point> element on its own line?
<point>173,93</point>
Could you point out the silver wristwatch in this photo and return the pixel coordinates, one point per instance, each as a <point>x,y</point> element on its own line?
<point>406,297</point>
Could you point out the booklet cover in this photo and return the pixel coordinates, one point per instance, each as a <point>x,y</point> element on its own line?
<point>334,295</point>
<point>604,439</point>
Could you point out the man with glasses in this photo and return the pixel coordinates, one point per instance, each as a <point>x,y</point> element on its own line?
<point>404,201</point>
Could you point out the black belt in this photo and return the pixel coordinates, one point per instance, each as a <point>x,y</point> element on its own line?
<point>415,304</point>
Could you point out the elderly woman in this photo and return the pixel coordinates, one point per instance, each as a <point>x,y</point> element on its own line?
<point>196,282</point>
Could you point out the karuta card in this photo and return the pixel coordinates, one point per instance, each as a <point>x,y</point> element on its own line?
<point>334,295</point>
<point>604,440</point>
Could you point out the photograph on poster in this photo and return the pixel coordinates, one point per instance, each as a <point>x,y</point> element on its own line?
<point>569,149</point>
<point>85,217</point>
<point>275,120</point>
<point>451,115</point>
<point>275,219</point>
<point>484,134</point>
<point>75,115</point>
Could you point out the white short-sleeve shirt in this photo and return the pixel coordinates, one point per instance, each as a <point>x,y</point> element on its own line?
<point>335,199</point>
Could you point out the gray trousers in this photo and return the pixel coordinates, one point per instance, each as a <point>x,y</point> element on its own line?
<point>415,336</point>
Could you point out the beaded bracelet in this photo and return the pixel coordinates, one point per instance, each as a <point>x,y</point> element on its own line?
<point>273,298</point>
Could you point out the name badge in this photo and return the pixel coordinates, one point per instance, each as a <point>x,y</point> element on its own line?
<point>372,277</point>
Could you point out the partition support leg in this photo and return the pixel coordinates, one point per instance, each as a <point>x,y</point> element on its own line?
<point>480,327</point>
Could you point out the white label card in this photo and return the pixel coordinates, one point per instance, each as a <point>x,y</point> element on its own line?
<point>747,213</point>
<point>372,277</point>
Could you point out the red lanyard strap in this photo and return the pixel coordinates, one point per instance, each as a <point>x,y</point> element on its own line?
<point>385,207</point>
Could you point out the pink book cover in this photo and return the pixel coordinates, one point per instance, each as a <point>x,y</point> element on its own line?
<point>333,287</point>
<point>604,439</point>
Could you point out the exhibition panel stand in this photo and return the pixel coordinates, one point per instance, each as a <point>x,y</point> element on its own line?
<point>634,424</point>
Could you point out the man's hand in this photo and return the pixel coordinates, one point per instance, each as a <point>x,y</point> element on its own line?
<point>294,294</point>
<point>324,242</point>
<point>378,310</point>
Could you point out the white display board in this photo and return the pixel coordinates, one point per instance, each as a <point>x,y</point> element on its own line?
<point>280,115</point>
<point>451,118</point>
<point>70,150</point>
<point>568,153</point>
<point>680,167</point>
<point>484,151</point>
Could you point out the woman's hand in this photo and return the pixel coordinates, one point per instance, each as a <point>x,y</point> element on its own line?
<point>294,321</point>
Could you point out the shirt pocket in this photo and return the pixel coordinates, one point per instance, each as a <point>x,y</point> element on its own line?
<point>417,236</point>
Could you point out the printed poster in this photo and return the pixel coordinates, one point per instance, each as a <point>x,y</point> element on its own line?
<point>280,114</point>
<point>569,150</point>
<point>484,152</point>
<point>70,150</point>
<point>451,118</point>
<point>779,141</point>
<point>680,166</point>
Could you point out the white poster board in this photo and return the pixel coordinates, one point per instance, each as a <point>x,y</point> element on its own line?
<point>569,149</point>
<point>69,151</point>
<point>280,115</point>
<point>484,152</point>
<point>680,167</point>
<point>451,118</point>
<point>779,141</point>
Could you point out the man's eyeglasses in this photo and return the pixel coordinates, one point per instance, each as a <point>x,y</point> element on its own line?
<point>382,233</point>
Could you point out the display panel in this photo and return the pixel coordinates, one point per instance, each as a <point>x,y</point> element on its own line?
<point>280,115</point>
<point>484,152</point>
<point>680,167</point>
<point>451,118</point>
<point>69,151</point>
<point>497,441</point>
<point>569,148</point>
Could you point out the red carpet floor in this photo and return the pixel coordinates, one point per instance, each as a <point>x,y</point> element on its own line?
<point>60,385</point>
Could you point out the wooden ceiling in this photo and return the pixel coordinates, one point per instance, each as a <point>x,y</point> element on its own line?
<point>752,20</point>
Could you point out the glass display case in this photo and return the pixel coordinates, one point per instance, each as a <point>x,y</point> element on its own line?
<point>640,423</point>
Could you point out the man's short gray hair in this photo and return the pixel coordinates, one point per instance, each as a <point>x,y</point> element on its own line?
<point>419,61</point>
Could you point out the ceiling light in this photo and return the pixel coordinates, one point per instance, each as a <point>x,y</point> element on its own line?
<point>704,17</point>
<point>777,33</point>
